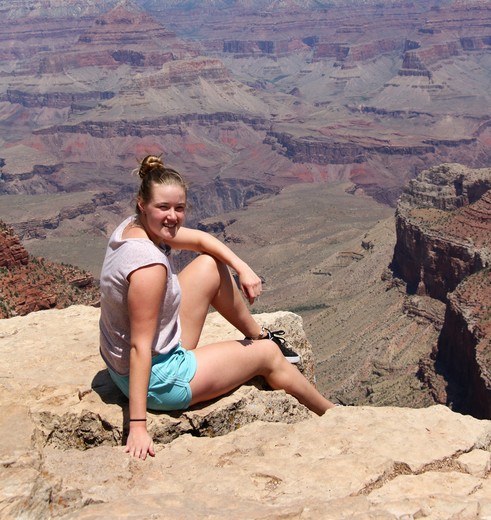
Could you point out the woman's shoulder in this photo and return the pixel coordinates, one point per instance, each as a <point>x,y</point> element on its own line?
<point>130,236</point>
<point>117,234</point>
<point>133,230</point>
<point>135,253</point>
<point>129,230</point>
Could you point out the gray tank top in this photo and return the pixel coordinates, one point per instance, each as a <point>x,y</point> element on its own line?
<point>123,256</point>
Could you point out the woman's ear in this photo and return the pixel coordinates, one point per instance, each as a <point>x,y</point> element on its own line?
<point>139,203</point>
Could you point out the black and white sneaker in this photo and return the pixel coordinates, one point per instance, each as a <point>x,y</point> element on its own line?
<point>276,336</point>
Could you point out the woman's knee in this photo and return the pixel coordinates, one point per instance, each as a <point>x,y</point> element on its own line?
<point>272,354</point>
<point>207,262</point>
<point>204,269</point>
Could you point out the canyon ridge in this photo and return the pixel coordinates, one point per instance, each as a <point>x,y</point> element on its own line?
<point>245,98</point>
<point>342,148</point>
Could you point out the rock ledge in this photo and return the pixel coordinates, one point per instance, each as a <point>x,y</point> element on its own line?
<point>62,427</point>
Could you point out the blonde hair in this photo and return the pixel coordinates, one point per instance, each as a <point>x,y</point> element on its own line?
<point>152,170</point>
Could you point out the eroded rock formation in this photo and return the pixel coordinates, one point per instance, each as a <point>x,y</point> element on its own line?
<point>63,424</point>
<point>12,253</point>
<point>443,250</point>
<point>464,347</point>
<point>443,223</point>
<point>275,92</point>
<point>29,284</point>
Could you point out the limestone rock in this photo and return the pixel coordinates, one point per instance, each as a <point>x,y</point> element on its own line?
<point>351,463</point>
<point>64,382</point>
<point>443,226</point>
<point>252,454</point>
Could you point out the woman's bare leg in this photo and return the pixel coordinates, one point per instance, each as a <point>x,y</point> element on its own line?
<point>225,366</point>
<point>204,282</point>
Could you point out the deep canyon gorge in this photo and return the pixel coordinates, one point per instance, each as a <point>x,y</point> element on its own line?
<point>342,148</point>
<point>372,115</point>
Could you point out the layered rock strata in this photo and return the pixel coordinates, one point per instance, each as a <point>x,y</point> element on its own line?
<point>29,284</point>
<point>443,225</point>
<point>329,151</point>
<point>464,348</point>
<point>34,227</point>
<point>12,253</point>
<point>443,250</point>
<point>276,93</point>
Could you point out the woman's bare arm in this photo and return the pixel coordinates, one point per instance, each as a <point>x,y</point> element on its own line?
<point>202,242</point>
<point>145,293</point>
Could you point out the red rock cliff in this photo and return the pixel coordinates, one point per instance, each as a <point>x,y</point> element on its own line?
<point>443,224</point>
<point>30,284</point>
<point>464,347</point>
<point>12,253</point>
<point>443,250</point>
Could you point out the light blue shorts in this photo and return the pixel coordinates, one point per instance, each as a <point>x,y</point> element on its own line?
<point>168,388</point>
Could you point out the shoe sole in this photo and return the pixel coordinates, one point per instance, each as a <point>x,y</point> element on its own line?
<point>293,359</point>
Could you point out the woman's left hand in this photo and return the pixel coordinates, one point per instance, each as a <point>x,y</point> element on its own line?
<point>250,283</point>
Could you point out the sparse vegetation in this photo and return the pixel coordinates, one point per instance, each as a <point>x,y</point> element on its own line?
<point>310,307</point>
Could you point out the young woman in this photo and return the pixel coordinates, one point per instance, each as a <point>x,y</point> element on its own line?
<point>151,318</point>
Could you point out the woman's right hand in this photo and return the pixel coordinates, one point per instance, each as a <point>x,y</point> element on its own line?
<point>139,443</point>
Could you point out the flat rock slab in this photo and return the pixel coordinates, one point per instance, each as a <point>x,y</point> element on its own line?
<point>351,463</point>
<point>253,454</point>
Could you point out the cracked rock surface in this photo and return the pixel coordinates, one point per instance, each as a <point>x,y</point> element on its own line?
<point>253,454</point>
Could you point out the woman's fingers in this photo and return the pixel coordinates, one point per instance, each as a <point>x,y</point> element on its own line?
<point>140,448</point>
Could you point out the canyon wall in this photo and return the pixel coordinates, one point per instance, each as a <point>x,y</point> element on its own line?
<point>29,284</point>
<point>304,87</point>
<point>443,250</point>
<point>463,354</point>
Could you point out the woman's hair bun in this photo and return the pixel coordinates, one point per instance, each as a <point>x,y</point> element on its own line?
<point>149,163</point>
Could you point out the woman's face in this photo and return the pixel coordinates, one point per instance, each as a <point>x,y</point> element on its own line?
<point>164,214</point>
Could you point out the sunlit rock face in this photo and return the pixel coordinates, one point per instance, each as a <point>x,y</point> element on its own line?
<point>63,424</point>
<point>443,250</point>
